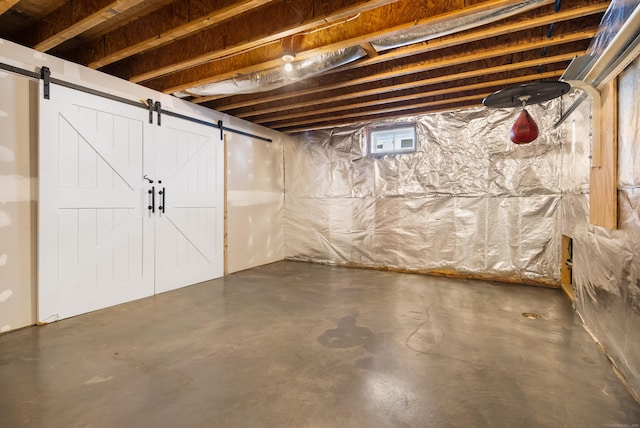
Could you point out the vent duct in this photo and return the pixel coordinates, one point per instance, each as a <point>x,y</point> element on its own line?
<point>444,26</point>
<point>274,78</point>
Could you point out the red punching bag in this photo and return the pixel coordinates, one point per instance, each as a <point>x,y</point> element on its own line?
<point>525,130</point>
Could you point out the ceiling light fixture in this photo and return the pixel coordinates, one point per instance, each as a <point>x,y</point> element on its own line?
<point>288,53</point>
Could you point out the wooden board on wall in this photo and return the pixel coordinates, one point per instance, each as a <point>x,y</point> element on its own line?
<point>603,205</point>
<point>566,268</point>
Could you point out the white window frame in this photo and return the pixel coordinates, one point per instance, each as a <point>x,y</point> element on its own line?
<point>389,140</point>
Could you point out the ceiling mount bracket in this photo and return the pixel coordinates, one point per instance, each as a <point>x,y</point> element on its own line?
<point>526,94</point>
<point>523,99</point>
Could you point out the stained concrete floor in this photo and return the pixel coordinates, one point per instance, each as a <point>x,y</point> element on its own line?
<point>300,345</point>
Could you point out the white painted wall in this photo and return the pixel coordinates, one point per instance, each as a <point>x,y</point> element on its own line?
<point>255,202</point>
<point>255,178</point>
<point>18,186</point>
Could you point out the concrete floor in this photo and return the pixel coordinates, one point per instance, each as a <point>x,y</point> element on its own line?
<point>300,345</point>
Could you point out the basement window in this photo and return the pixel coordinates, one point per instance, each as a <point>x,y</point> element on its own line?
<point>392,140</point>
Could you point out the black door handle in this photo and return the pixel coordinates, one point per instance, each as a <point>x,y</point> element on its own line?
<point>152,202</point>
<point>163,204</point>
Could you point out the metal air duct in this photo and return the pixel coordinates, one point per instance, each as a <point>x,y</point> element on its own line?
<point>432,29</point>
<point>274,78</point>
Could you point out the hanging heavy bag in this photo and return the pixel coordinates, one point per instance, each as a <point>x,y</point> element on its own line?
<point>525,130</point>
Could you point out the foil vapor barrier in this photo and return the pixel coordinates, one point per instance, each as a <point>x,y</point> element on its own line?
<point>468,202</point>
<point>606,271</point>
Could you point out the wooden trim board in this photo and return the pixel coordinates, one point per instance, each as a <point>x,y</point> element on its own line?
<point>603,199</point>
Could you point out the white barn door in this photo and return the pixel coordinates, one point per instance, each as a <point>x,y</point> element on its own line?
<point>95,244</point>
<point>189,165</point>
<point>99,241</point>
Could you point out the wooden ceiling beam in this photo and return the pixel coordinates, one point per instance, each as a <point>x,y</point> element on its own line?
<point>178,19</point>
<point>367,76</point>
<point>344,119</point>
<point>5,5</point>
<point>435,108</point>
<point>71,19</point>
<point>256,28</point>
<point>369,49</point>
<point>450,41</point>
<point>381,104</point>
<point>369,25</point>
<point>425,93</point>
<point>513,25</point>
<point>326,96</point>
<point>470,102</point>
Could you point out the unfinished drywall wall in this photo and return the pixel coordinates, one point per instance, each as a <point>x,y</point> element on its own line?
<point>468,202</point>
<point>606,271</point>
<point>18,174</point>
<point>255,202</point>
<point>17,202</point>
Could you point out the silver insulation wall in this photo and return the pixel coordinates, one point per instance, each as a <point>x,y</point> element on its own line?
<point>468,202</point>
<point>606,270</point>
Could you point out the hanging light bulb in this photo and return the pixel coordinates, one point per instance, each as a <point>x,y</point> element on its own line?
<point>288,53</point>
<point>525,130</point>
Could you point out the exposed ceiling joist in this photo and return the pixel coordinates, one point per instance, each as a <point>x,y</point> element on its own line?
<point>513,25</point>
<point>369,75</point>
<point>392,86</point>
<point>173,45</point>
<point>73,18</point>
<point>162,26</point>
<point>5,5</point>
<point>367,26</point>
<point>467,37</point>
<point>422,69</point>
<point>249,31</point>
<point>388,113</point>
<point>391,100</point>
<point>485,33</point>
<point>370,50</point>
<point>328,98</point>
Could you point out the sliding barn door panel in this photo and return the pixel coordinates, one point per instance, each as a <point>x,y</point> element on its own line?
<point>189,162</point>
<point>95,247</point>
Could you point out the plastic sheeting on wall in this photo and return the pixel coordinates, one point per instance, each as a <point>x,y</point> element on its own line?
<point>468,202</point>
<point>605,266</point>
<point>612,21</point>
